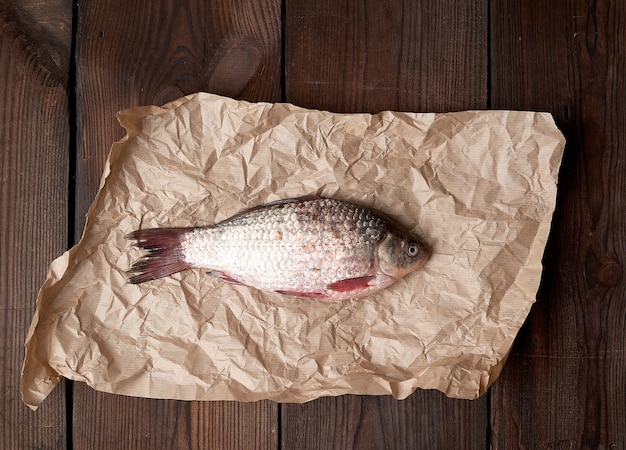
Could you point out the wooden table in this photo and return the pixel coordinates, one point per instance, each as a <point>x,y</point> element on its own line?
<point>67,68</point>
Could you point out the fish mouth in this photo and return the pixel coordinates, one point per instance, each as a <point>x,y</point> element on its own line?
<point>427,254</point>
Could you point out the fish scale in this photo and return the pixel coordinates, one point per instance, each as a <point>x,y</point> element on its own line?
<point>312,247</point>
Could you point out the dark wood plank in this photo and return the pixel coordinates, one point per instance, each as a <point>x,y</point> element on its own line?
<point>125,423</point>
<point>371,56</point>
<point>564,384</point>
<point>235,425</point>
<point>34,153</point>
<point>425,420</point>
<point>152,52</point>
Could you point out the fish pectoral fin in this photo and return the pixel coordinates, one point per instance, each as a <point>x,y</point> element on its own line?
<point>223,276</point>
<point>351,284</point>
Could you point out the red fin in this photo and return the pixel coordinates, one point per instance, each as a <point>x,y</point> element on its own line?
<point>351,284</point>
<point>304,294</point>
<point>224,277</point>
<point>164,253</point>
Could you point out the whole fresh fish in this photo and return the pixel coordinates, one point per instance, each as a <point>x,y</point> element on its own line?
<point>308,247</point>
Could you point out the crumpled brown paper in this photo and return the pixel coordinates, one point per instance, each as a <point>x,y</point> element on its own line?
<point>479,185</point>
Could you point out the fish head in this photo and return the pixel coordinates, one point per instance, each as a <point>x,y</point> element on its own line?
<point>399,253</point>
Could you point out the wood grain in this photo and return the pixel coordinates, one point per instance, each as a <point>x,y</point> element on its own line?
<point>564,384</point>
<point>370,56</point>
<point>117,422</point>
<point>152,52</point>
<point>34,154</point>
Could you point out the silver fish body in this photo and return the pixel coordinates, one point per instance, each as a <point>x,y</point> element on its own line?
<point>310,247</point>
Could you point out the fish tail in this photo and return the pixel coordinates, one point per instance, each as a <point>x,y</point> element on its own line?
<point>165,253</point>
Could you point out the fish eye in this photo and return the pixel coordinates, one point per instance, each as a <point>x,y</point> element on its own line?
<point>412,250</point>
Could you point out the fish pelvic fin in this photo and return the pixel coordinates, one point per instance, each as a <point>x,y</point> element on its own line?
<point>165,254</point>
<point>303,294</point>
<point>351,284</point>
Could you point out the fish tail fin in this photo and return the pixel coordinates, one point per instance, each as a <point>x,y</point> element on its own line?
<point>165,253</point>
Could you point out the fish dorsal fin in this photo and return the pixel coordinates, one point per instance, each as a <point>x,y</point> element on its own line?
<point>286,201</point>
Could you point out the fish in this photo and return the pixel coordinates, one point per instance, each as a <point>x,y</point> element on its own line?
<point>312,247</point>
